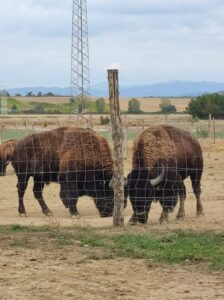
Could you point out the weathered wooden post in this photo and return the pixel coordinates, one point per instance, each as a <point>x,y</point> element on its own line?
<point>214,130</point>
<point>117,136</point>
<point>209,123</point>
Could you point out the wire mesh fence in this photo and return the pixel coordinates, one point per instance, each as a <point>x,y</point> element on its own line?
<point>162,181</point>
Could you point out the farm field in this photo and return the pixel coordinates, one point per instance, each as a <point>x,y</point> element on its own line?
<point>46,263</point>
<point>147,104</point>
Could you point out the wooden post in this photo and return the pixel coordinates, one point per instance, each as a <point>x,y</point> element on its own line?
<point>214,131</point>
<point>198,134</point>
<point>117,136</point>
<point>209,124</point>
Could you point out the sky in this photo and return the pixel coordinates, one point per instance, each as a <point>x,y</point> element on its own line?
<point>148,40</point>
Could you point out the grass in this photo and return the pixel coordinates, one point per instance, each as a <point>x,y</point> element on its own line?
<point>21,133</point>
<point>62,108</point>
<point>15,134</point>
<point>176,247</point>
<point>19,104</point>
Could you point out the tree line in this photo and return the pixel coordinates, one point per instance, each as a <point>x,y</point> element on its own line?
<point>201,107</point>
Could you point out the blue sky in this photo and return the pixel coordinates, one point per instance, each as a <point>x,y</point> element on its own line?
<point>149,40</point>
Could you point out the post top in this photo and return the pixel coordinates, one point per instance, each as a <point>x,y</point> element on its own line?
<point>113,70</point>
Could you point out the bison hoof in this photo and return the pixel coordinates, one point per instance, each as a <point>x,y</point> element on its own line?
<point>75,216</point>
<point>132,222</point>
<point>163,220</point>
<point>48,213</point>
<point>23,215</point>
<point>180,216</point>
<point>199,213</point>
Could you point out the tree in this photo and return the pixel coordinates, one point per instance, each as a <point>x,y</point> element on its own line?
<point>134,106</point>
<point>29,94</point>
<point>166,107</point>
<point>100,105</point>
<point>49,94</point>
<point>207,104</point>
<point>39,94</point>
<point>104,120</point>
<point>78,104</point>
<point>14,109</point>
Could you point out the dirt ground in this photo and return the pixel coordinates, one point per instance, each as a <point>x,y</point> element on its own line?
<point>44,274</point>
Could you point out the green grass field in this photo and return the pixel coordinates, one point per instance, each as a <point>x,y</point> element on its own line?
<point>46,107</point>
<point>131,134</point>
<point>18,134</point>
<point>175,247</point>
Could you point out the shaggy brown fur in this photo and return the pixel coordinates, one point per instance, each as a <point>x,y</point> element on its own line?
<point>84,149</point>
<point>6,150</point>
<point>152,147</point>
<point>175,149</point>
<point>86,168</point>
<point>37,156</point>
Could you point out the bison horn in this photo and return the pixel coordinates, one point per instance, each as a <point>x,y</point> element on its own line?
<point>111,183</point>
<point>158,179</point>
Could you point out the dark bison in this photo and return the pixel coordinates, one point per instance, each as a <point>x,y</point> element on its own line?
<point>163,156</point>
<point>37,156</point>
<point>6,150</point>
<point>86,168</point>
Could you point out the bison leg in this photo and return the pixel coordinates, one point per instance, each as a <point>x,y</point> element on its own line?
<point>168,205</point>
<point>69,197</point>
<point>133,220</point>
<point>38,194</point>
<point>196,185</point>
<point>164,215</point>
<point>182,196</point>
<point>21,188</point>
<point>73,209</point>
<point>199,207</point>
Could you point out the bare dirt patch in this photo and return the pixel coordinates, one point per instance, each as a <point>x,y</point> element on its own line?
<point>68,274</point>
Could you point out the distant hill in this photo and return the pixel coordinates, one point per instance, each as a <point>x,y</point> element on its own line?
<point>164,89</point>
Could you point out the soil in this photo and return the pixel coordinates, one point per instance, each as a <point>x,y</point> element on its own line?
<point>44,274</point>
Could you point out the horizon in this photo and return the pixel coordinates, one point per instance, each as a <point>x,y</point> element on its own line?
<point>123,85</point>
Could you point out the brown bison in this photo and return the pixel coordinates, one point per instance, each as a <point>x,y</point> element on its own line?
<point>86,168</point>
<point>38,156</point>
<point>163,156</point>
<point>6,150</point>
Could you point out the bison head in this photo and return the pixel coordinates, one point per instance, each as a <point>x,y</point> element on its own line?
<point>141,190</point>
<point>102,194</point>
<point>95,184</point>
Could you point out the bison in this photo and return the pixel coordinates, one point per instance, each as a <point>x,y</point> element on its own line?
<point>6,150</point>
<point>86,168</point>
<point>163,156</point>
<point>39,156</point>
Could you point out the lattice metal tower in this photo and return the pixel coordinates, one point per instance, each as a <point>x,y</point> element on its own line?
<point>4,101</point>
<point>80,82</point>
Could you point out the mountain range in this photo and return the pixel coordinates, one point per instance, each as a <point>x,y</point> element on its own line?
<point>163,89</point>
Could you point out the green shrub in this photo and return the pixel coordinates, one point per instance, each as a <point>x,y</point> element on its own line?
<point>166,107</point>
<point>104,120</point>
<point>207,104</point>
